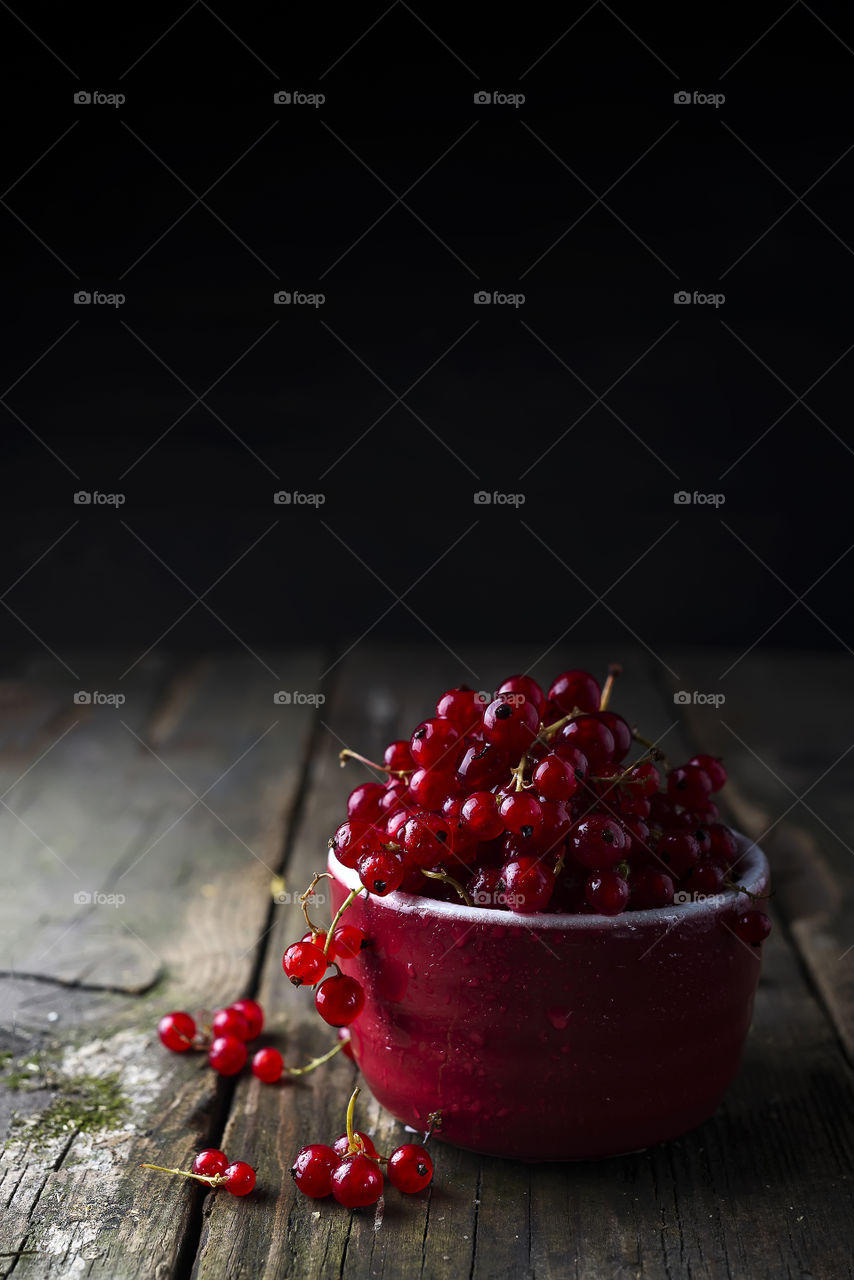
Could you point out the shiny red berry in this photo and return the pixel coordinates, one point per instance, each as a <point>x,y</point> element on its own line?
<point>313,1168</point>
<point>462,707</point>
<point>211,1162</point>
<point>575,689</point>
<point>339,1000</point>
<point>554,779</point>
<point>433,743</point>
<point>410,1168</point>
<point>521,813</point>
<point>598,842</point>
<point>348,941</point>
<point>227,1055</point>
<point>528,884</point>
<point>511,722</point>
<point>357,1182</point>
<point>752,927</point>
<point>230,1022</point>
<point>479,812</point>
<point>689,786</point>
<point>527,687</point>
<point>303,962</point>
<point>253,1013</point>
<point>239,1178</point>
<point>713,767</point>
<point>607,892</point>
<point>177,1031</point>
<point>268,1065</point>
<point>364,801</point>
<point>398,757</point>
<point>380,873</point>
<point>593,737</point>
<point>342,1145</point>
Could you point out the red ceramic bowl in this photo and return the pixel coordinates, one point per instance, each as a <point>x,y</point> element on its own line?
<point>552,1037</point>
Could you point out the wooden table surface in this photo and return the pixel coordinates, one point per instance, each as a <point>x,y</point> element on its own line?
<point>189,798</point>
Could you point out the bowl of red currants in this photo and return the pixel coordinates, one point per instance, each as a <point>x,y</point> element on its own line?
<point>552,941</point>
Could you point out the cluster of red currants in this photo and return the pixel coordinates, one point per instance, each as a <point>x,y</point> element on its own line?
<point>213,1168</point>
<point>350,1169</point>
<point>527,803</point>
<point>226,1044</point>
<point>338,999</point>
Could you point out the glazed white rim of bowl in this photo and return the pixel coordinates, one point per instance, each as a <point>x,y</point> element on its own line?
<point>751,867</point>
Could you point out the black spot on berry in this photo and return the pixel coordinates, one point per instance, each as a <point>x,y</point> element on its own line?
<point>608,835</point>
<point>419,734</point>
<point>527,832</point>
<point>504,712</point>
<point>441,836</point>
<point>379,887</point>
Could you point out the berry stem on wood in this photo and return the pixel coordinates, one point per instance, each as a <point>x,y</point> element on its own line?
<point>614,670</point>
<point>215,1180</point>
<point>316,1062</point>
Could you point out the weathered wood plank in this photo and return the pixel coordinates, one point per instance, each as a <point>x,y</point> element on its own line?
<point>198,898</point>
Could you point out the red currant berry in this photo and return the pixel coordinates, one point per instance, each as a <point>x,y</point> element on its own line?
<point>708,878</point>
<point>529,885</point>
<point>339,1000</point>
<point>607,893</point>
<point>621,732</point>
<point>483,765</point>
<point>645,778</point>
<point>511,725</point>
<point>594,738</point>
<point>752,927</point>
<point>341,1146</point>
<point>485,887</point>
<point>239,1178</point>
<point>680,851</point>
<point>575,689</point>
<point>462,707</point>
<point>354,839</point>
<point>397,756</point>
<point>348,941</point>
<point>434,741</point>
<point>713,767</point>
<point>479,812</point>
<point>598,842</point>
<point>429,787</point>
<point>357,1182</point>
<point>557,824</point>
<point>650,888</point>
<point>395,794</point>
<point>410,1168</point>
<point>689,786</point>
<point>253,1013</point>
<point>555,779</point>
<point>380,873</point>
<point>303,962</point>
<point>267,1065</point>
<point>574,757</point>
<point>313,1168</point>
<point>723,847</point>
<point>521,814</point>
<point>230,1022</point>
<point>210,1163</point>
<point>364,801</point>
<point>527,687</point>
<point>177,1031</point>
<point>227,1055</point>
<point>425,838</point>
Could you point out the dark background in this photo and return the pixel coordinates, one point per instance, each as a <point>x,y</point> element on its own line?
<point>696,206</point>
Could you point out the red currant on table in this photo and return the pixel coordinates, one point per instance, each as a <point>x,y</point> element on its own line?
<point>268,1065</point>
<point>410,1168</point>
<point>357,1182</point>
<point>177,1031</point>
<point>339,1000</point>
<point>253,1013</point>
<point>313,1168</point>
<point>342,1145</point>
<point>230,1022</point>
<point>227,1055</point>
<point>210,1162</point>
<point>304,962</point>
<point>239,1178</point>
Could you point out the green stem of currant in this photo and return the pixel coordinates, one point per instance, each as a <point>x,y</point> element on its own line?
<point>352,1144</point>
<point>314,1063</point>
<point>548,731</point>
<point>455,884</point>
<point>518,774</point>
<point>614,670</point>
<point>215,1180</point>
<point>346,754</point>
<point>351,896</point>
